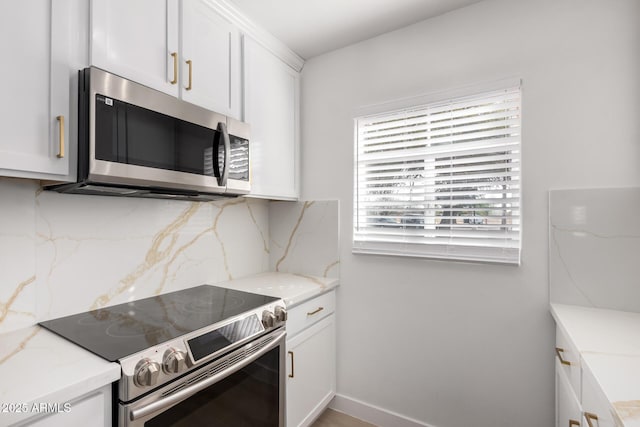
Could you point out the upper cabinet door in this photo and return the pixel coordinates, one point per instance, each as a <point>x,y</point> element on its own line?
<point>210,60</point>
<point>271,98</point>
<point>137,40</point>
<point>39,74</point>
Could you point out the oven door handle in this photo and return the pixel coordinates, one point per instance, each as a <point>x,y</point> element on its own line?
<point>183,394</point>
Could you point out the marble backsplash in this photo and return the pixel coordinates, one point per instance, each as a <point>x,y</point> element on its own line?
<point>304,238</point>
<point>63,254</point>
<point>594,248</point>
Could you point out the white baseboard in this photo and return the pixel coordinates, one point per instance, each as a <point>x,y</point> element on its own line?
<point>372,414</point>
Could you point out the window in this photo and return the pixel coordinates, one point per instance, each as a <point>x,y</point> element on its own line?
<point>441,180</point>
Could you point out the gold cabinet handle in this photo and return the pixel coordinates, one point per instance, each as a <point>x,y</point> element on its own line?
<point>61,136</point>
<point>590,417</point>
<point>190,64</point>
<point>292,372</point>
<point>559,352</point>
<point>175,68</point>
<point>573,423</point>
<point>316,311</point>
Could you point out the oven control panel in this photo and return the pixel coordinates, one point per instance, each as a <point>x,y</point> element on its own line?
<point>216,340</point>
<point>163,362</point>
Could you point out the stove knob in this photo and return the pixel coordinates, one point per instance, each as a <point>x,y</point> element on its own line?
<point>268,319</point>
<point>173,361</point>
<point>146,373</point>
<point>281,314</point>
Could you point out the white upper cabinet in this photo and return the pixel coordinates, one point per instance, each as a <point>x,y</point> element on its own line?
<point>207,53</point>
<point>137,40</point>
<point>183,48</point>
<point>210,59</point>
<point>42,56</point>
<point>271,105</point>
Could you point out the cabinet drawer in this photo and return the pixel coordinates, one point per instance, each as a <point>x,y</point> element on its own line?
<point>569,359</point>
<point>568,409</point>
<point>308,313</point>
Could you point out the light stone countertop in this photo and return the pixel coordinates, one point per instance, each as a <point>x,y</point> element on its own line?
<point>292,288</point>
<point>37,366</point>
<point>609,345</point>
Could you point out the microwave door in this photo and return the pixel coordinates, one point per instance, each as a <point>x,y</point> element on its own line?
<point>155,150</point>
<point>144,138</point>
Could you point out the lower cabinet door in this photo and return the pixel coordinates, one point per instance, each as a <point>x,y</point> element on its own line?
<point>311,370</point>
<point>90,410</point>
<point>568,411</point>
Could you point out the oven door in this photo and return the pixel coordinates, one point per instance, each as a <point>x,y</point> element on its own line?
<point>245,388</point>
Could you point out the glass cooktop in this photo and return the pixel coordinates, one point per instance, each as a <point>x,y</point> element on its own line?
<point>124,329</point>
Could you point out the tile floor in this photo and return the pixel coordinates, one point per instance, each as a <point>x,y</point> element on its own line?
<point>331,418</point>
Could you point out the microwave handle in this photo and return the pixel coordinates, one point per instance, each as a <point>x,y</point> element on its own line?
<point>222,179</point>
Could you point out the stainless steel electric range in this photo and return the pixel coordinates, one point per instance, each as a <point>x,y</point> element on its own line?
<point>204,356</point>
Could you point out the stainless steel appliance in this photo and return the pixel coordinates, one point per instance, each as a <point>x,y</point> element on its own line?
<point>205,356</point>
<point>137,141</point>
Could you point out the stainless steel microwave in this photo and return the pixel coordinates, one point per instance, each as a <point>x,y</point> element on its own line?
<point>136,141</point>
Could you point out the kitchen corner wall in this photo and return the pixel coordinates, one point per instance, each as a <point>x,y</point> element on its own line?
<point>472,344</point>
<point>594,248</point>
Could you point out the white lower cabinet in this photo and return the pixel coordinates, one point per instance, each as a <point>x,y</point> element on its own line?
<point>568,411</point>
<point>311,364</point>
<point>90,410</point>
<point>579,399</point>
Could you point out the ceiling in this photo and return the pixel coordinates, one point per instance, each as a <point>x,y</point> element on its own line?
<point>314,27</point>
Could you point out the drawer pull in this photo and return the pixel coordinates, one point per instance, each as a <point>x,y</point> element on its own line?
<point>590,417</point>
<point>292,372</point>
<point>573,423</point>
<point>316,311</point>
<point>559,352</point>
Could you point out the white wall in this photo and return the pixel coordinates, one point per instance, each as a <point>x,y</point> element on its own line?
<point>453,344</point>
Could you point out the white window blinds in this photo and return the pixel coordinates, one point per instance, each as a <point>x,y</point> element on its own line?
<point>441,180</point>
